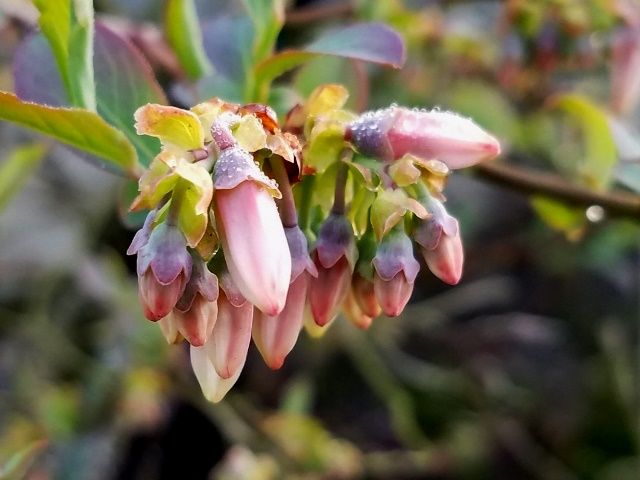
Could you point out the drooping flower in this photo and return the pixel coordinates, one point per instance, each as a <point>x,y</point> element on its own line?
<point>164,268</point>
<point>275,336</point>
<point>195,314</point>
<point>364,295</point>
<point>354,313</point>
<point>440,242</point>
<point>335,256</point>
<point>393,132</point>
<point>395,272</point>
<point>250,229</point>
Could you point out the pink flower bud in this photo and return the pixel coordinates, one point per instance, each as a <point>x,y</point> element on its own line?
<point>231,336</point>
<point>390,133</point>
<point>164,268</point>
<point>275,336</point>
<point>354,313</point>
<point>252,235</point>
<point>335,256</point>
<point>364,295</point>
<point>214,387</point>
<point>439,239</point>
<point>625,70</point>
<point>196,312</point>
<point>395,272</point>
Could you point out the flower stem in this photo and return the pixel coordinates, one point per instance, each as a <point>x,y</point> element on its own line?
<point>286,205</point>
<point>341,183</point>
<point>176,203</point>
<point>306,197</point>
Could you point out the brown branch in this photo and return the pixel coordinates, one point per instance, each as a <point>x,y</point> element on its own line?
<point>616,203</point>
<point>303,16</point>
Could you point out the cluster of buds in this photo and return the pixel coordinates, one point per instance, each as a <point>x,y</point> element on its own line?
<point>243,241</point>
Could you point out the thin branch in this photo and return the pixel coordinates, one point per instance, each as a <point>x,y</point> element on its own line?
<point>616,203</point>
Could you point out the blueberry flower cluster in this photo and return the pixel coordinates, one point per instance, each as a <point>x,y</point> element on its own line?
<point>256,229</point>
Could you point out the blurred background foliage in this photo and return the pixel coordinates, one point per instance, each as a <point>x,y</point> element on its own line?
<point>527,370</point>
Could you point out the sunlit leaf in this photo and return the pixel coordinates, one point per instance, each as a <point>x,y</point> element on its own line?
<point>370,42</point>
<point>16,169</point>
<point>250,134</point>
<point>78,128</point>
<point>184,35</point>
<point>172,125</point>
<point>561,217</point>
<point>599,147</point>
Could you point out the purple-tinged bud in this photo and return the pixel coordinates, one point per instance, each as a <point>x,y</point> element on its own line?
<point>252,235</point>
<point>440,242</point>
<point>214,387</point>
<point>164,268</point>
<point>354,313</point>
<point>141,238</point>
<point>393,132</point>
<point>335,256</point>
<point>625,70</point>
<point>231,336</point>
<point>275,336</point>
<point>395,272</point>
<point>196,312</point>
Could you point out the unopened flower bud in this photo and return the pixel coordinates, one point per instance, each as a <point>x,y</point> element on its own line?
<point>395,272</point>
<point>441,246</point>
<point>335,255</point>
<point>231,335</point>
<point>164,268</point>
<point>390,133</point>
<point>275,336</point>
<point>354,313</point>
<point>214,387</point>
<point>252,235</point>
<point>196,312</point>
<point>364,295</point>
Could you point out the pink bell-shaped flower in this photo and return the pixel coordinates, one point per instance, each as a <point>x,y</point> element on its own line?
<point>232,332</point>
<point>196,312</point>
<point>395,271</point>
<point>164,268</point>
<point>393,132</point>
<point>335,256</point>
<point>252,235</point>
<point>275,336</point>
<point>440,243</point>
<point>354,313</point>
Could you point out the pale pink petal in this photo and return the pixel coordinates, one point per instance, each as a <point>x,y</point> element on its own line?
<point>328,291</point>
<point>231,336</point>
<point>393,295</point>
<point>446,260</point>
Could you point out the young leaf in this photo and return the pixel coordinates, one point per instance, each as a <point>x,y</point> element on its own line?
<point>600,150</point>
<point>228,42</point>
<point>370,42</point>
<point>17,466</point>
<point>268,18</point>
<point>184,35</point>
<point>81,55</point>
<point>124,81</point>
<point>16,169</point>
<point>68,26</point>
<point>55,23</point>
<point>79,128</point>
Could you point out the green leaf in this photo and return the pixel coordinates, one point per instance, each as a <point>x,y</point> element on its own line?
<point>557,215</point>
<point>184,35</point>
<point>172,125</point>
<point>628,174</point>
<point>55,23</point>
<point>18,465</point>
<point>81,56</point>
<point>370,42</point>
<point>267,17</point>
<point>68,26</point>
<point>75,127</point>
<point>17,168</point>
<point>599,148</point>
